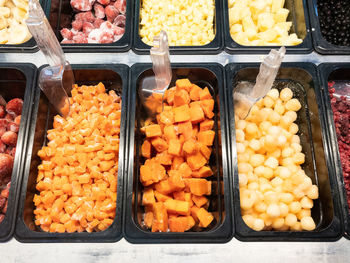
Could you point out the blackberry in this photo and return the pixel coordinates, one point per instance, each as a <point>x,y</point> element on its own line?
<point>334,16</point>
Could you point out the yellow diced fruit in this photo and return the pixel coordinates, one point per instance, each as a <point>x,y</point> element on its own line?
<point>277,5</point>
<point>265,21</point>
<point>281,15</point>
<point>268,36</point>
<point>234,15</point>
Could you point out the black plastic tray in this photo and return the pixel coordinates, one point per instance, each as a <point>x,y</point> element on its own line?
<point>298,11</point>
<point>312,131</point>
<point>218,232</point>
<point>321,45</point>
<point>30,45</point>
<point>113,77</point>
<point>337,71</point>
<point>214,47</point>
<point>16,81</point>
<point>60,15</point>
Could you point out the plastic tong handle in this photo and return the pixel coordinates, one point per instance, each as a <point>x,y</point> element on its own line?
<point>44,36</point>
<point>267,73</point>
<point>161,62</point>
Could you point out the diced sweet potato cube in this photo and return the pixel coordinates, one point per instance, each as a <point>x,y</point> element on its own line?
<point>185,128</point>
<point>194,131</point>
<point>185,170</point>
<point>205,171</point>
<point>205,150</point>
<point>200,186</point>
<point>181,223</point>
<point>183,84</point>
<point>166,117</point>
<point>153,130</point>
<point>164,187</point>
<point>197,114</point>
<point>204,217</point>
<point>161,197</point>
<point>190,146</point>
<point>160,217</point>
<point>177,206</point>
<point>204,94</point>
<point>206,137</point>
<point>146,149</point>
<point>159,144</point>
<point>182,113</point>
<point>151,172</point>
<point>175,147</point>
<point>148,219</point>
<point>169,95</point>
<point>206,125</point>
<point>164,158</point>
<point>194,210</point>
<point>148,197</point>
<point>199,200</point>
<point>169,132</point>
<point>194,92</point>
<point>188,198</point>
<point>181,97</point>
<point>177,161</point>
<point>208,107</point>
<point>196,161</point>
<point>175,180</point>
<point>179,195</point>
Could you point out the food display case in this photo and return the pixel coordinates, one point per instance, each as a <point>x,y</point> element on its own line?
<point>316,72</point>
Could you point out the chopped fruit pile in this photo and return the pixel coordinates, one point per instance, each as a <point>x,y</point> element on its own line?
<point>260,23</point>
<point>102,21</point>
<point>341,113</point>
<point>77,179</point>
<point>177,149</point>
<point>10,118</point>
<point>275,192</point>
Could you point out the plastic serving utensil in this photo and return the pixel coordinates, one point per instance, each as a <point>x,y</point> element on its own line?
<point>162,73</point>
<point>57,79</point>
<point>245,96</point>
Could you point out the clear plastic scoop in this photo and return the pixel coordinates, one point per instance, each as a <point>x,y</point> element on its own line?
<point>162,73</point>
<point>246,95</point>
<point>57,79</point>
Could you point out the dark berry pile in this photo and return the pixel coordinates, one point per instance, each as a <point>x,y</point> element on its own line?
<point>341,115</point>
<point>334,16</point>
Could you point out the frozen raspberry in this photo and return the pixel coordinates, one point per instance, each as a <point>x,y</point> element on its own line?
<point>77,24</point>
<point>118,30</point>
<point>9,138</point>
<point>82,5</point>
<point>106,37</point>
<point>104,2</point>
<point>14,106</point>
<point>85,17</point>
<point>2,147</point>
<point>99,10</point>
<point>6,165</point>
<point>120,5</point>
<point>98,22</point>
<point>67,34</point>
<point>80,38</point>
<point>18,120</point>
<point>2,111</point>
<point>120,21</point>
<point>87,27</point>
<point>111,13</point>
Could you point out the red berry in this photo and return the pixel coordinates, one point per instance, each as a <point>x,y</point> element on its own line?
<point>14,106</point>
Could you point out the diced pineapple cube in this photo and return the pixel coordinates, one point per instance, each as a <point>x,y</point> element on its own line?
<point>283,28</point>
<point>277,5</point>
<point>236,28</point>
<point>247,23</point>
<point>294,40</point>
<point>281,15</point>
<point>245,12</point>
<point>231,3</point>
<point>251,32</point>
<point>265,21</point>
<point>241,38</point>
<point>268,35</point>
<point>234,15</point>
